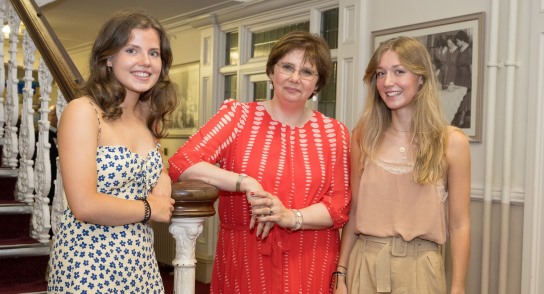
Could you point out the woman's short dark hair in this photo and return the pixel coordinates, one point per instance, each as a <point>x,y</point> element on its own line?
<point>316,51</point>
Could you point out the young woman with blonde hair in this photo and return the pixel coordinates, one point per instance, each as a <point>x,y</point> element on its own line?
<point>410,179</point>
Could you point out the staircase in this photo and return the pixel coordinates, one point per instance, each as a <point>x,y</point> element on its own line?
<point>23,260</point>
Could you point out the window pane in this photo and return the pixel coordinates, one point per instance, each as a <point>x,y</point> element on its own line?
<point>262,42</point>
<point>231,54</point>
<point>327,96</point>
<point>259,91</point>
<point>329,27</point>
<point>230,87</point>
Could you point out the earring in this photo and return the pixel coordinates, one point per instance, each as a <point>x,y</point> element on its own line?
<point>314,98</point>
<point>271,86</point>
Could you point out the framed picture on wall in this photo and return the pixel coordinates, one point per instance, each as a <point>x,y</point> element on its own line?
<point>184,120</point>
<point>456,46</point>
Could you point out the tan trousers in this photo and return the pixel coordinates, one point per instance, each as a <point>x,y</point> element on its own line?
<point>392,265</point>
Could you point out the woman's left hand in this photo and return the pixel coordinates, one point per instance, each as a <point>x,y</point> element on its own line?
<point>164,185</point>
<point>270,211</point>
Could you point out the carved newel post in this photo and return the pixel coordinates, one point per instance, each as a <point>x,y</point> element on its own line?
<point>194,202</point>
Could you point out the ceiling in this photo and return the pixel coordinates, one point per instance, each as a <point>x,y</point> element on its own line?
<point>76,22</point>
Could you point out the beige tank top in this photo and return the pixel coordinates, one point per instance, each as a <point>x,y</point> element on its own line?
<point>390,203</point>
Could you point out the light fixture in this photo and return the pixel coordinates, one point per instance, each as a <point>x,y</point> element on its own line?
<point>6,30</point>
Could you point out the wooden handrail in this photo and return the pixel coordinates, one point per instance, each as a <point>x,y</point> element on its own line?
<point>51,49</point>
<point>193,199</point>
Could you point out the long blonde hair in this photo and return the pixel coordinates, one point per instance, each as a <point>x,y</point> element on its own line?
<point>428,124</point>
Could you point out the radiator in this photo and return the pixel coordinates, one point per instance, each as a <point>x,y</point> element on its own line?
<point>164,243</point>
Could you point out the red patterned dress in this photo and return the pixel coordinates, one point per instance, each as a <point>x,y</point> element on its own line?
<point>302,166</point>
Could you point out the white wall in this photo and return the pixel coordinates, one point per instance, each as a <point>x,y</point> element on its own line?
<point>533,242</point>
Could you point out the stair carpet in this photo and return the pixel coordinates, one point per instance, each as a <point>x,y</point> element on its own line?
<point>23,260</point>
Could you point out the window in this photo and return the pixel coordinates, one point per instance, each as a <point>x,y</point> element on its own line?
<point>230,87</point>
<point>231,52</point>
<point>255,44</point>
<point>264,41</point>
<point>327,96</point>
<point>329,27</point>
<point>260,91</point>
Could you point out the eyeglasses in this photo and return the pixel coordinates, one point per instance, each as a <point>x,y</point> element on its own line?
<point>303,73</point>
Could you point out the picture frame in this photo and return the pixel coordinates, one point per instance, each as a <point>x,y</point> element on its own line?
<point>460,72</point>
<point>184,120</point>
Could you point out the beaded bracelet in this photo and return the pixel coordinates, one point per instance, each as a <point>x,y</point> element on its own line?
<point>299,219</point>
<point>147,211</point>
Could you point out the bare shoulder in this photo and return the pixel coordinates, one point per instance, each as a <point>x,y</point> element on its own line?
<point>456,137</point>
<point>458,146</point>
<point>80,106</point>
<point>79,112</point>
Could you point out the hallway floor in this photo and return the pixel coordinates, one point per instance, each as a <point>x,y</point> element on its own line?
<point>167,273</point>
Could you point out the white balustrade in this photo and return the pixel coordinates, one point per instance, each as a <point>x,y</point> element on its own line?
<point>41,219</point>
<point>185,231</point>
<point>2,69</point>
<point>25,180</point>
<point>10,148</point>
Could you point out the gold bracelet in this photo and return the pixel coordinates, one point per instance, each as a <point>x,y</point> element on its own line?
<point>299,219</point>
<point>241,177</point>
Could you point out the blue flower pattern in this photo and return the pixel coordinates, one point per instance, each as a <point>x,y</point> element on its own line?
<point>90,258</point>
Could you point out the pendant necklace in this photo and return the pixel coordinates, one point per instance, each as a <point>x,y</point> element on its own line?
<point>402,149</point>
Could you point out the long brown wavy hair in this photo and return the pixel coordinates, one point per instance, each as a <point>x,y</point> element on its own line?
<point>429,127</point>
<point>102,85</point>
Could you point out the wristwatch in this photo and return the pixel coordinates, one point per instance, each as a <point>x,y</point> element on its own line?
<point>241,177</point>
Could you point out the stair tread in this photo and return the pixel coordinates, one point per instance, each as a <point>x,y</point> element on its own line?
<point>14,207</point>
<point>8,172</point>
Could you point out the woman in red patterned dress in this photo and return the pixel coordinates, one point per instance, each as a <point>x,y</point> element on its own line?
<point>283,176</point>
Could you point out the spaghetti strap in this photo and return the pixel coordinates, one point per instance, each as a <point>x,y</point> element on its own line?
<point>98,118</point>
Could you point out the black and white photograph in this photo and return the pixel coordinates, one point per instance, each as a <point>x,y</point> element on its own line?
<point>184,120</point>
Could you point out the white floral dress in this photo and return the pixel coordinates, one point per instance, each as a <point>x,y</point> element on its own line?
<point>90,258</point>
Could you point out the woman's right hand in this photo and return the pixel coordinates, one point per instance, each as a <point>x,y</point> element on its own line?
<point>251,186</point>
<point>161,207</point>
